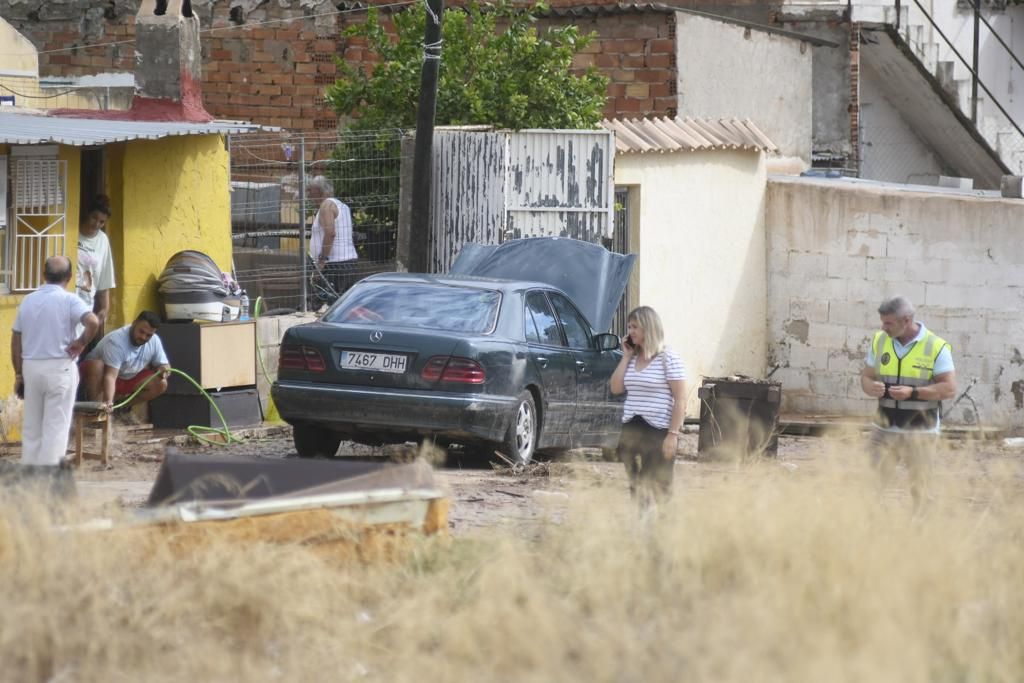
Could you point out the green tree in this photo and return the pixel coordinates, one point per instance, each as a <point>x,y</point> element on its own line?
<point>496,69</point>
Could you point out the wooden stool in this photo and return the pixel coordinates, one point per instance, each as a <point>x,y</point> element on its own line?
<point>93,415</point>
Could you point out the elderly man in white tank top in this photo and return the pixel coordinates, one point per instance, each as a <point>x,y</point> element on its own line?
<point>43,351</point>
<point>330,246</point>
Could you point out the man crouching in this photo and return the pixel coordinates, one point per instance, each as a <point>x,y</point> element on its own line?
<point>124,360</point>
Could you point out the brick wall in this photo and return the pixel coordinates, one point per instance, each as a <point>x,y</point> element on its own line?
<point>637,52</point>
<point>257,67</point>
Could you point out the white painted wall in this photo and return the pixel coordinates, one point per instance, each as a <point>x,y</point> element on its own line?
<point>19,56</point>
<point>890,148</point>
<point>728,71</point>
<point>836,248</point>
<point>701,255</point>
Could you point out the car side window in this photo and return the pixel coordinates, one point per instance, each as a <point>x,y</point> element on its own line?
<point>576,329</point>
<point>546,330</point>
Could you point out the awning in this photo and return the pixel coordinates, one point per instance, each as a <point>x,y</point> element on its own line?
<point>36,129</point>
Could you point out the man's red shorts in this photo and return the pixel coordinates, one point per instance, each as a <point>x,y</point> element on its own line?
<point>126,387</point>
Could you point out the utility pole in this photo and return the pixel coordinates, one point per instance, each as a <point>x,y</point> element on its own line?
<point>422,162</point>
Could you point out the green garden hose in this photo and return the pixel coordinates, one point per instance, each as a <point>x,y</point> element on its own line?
<point>196,431</point>
<point>226,437</point>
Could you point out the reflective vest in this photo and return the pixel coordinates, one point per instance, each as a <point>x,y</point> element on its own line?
<point>915,369</point>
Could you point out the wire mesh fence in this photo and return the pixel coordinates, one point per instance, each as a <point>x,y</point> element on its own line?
<point>272,212</point>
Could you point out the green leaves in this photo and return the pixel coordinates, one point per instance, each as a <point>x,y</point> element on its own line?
<point>496,69</point>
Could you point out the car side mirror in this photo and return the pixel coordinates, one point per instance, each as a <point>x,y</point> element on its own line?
<point>607,342</point>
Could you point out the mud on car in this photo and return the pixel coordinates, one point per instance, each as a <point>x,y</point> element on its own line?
<point>507,352</point>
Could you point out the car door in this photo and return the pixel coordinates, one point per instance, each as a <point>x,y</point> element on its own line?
<point>555,363</point>
<point>596,413</point>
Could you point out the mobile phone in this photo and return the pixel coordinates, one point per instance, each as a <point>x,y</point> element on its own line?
<point>629,342</point>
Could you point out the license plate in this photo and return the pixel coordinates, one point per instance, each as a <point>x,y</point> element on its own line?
<point>381,362</point>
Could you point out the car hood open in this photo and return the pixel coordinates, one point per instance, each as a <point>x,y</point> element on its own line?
<point>593,277</point>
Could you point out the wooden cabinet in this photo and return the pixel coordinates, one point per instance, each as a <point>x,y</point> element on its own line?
<point>217,355</point>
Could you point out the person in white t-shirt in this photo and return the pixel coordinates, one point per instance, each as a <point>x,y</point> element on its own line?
<point>654,379</point>
<point>44,348</point>
<point>330,246</point>
<point>95,262</point>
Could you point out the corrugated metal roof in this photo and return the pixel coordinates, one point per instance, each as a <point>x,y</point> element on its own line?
<point>686,135</point>
<point>33,129</point>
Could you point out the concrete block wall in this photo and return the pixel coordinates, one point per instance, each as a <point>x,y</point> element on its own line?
<point>836,248</point>
<point>269,333</point>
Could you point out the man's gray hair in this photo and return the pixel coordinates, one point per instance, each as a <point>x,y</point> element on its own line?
<point>323,184</point>
<point>898,306</point>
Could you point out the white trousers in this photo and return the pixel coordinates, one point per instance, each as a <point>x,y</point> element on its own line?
<point>50,387</point>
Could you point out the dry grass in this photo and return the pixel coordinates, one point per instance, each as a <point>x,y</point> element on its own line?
<point>760,573</point>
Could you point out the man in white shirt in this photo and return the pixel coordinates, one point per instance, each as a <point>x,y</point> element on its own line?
<point>95,262</point>
<point>124,360</point>
<point>43,351</point>
<point>330,245</point>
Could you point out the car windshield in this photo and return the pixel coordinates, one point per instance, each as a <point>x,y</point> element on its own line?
<point>424,306</point>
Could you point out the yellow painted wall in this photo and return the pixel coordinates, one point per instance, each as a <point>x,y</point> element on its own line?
<point>9,303</point>
<point>175,196</point>
<point>166,195</point>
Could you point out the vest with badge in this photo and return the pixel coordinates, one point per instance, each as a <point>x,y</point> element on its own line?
<point>915,369</point>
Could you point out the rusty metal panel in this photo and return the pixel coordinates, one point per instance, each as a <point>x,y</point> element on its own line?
<point>560,183</point>
<point>467,203</point>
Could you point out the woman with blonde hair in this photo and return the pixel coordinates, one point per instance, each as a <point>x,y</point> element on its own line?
<point>654,380</point>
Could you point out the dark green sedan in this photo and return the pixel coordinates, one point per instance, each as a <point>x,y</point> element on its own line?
<point>512,364</point>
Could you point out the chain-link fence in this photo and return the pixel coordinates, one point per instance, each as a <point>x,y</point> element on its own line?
<point>271,212</point>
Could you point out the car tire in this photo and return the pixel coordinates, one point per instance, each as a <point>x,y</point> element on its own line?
<point>521,439</point>
<point>312,441</point>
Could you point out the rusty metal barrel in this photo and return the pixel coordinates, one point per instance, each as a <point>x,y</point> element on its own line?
<point>739,416</point>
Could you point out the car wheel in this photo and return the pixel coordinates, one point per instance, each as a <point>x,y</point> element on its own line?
<point>521,439</point>
<point>312,441</point>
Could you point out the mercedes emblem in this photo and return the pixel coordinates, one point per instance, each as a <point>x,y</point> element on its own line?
<point>376,336</point>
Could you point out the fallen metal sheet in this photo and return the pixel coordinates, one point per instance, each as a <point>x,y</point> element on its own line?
<point>185,478</point>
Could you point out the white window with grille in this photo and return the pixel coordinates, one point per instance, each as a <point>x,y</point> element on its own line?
<point>38,217</point>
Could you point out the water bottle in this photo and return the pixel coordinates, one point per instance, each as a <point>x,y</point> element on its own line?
<point>243,310</point>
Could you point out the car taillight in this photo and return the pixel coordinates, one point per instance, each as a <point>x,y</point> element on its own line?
<point>453,369</point>
<point>300,358</point>
<point>434,368</point>
<point>314,361</point>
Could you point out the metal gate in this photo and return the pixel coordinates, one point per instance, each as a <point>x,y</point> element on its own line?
<point>490,187</point>
<point>39,219</point>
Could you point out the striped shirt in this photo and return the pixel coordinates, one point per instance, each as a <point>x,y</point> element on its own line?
<point>647,391</point>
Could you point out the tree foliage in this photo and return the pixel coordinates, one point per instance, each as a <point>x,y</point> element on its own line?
<point>496,68</point>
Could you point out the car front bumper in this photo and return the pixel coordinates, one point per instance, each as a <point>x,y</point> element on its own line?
<point>398,412</point>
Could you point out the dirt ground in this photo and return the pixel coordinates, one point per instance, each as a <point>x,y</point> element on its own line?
<point>481,495</point>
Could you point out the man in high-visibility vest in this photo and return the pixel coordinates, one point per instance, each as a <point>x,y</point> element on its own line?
<point>909,369</point>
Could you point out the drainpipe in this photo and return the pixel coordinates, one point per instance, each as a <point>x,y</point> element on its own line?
<point>974,76</point>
